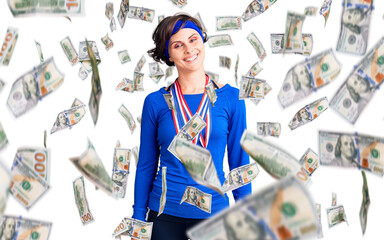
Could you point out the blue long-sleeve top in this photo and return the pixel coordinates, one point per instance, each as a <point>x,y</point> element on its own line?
<point>157,132</point>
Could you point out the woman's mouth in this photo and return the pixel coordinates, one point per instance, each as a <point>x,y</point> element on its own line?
<point>192,58</point>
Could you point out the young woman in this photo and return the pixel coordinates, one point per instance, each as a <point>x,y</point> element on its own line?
<point>179,42</point>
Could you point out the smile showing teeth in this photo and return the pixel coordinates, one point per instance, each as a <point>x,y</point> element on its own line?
<point>191,59</point>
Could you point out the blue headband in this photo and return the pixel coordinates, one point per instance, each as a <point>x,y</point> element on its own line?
<point>188,24</point>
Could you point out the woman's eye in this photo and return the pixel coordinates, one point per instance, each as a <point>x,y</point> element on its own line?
<point>193,39</point>
<point>177,45</point>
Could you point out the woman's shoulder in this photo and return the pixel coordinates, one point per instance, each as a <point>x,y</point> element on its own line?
<point>228,90</point>
<point>156,95</point>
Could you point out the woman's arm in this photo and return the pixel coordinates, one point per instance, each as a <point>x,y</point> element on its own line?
<point>148,159</point>
<point>236,155</point>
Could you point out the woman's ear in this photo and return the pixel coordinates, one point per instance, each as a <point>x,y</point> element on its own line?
<point>170,59</point>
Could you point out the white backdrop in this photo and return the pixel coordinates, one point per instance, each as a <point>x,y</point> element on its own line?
<point>58,205</point>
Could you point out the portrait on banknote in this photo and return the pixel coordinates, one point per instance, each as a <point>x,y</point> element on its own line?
<point>7,229</point>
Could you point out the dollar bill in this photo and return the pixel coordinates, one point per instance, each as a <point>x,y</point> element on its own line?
<point>228,23</point>
<point>309,113</point>
<point>325,10</point>
<point>112,24</point>
<point>169,72</point>
<point>109,10</point>
<point>360,86</point>
<point>198,17</point>
<point>39,51</point>
<point>160,18</point>
<point>364,205</point>
<point>310,11</point>
<point>138,81</point>
<point>211,92</point>
<point>225,62</point>
<point>134,228</point>
<point>334,199</point>
<point>310,161</point>
<point>163,198</point>
<point>320,228</point>
<point>18,227</point>
<point>267,89</point>
<point>26,184</point>
<point>3,138</point>
<point>41,7</point>
<point>197,198</point>
<point>213,76</point>
<point>2,83</point>
<point>355,23</point>
<point>308,76</point>
<point>36,158</point>
<point>8,46</point>
<point>91,167</point>
<point>135,152</point>
<point>284,210</point>
<point>256,44</point>
<point>70,117</point>
<point>268,129</point>
<point>293,40</point>
<point>83,73</point>
<point>155,72</point>
<point>240,176</point>
<point>120,171</point>
<point>198,162</point>
<point>81,201</point>
<point>251,88</point>
<point>236,68</point>
<point>128,117</point>
<point>124,56</point>
<point>140,64</point>
<point>274,160</point>
<point>141,13</point>
<point>256,8</point>
<point>277,44</point>
<point>5,180</point>
<point>69,50</point>
<point>219,40</point>
<point>126,85</point>
<point>336,215</point>
<point>139,119</point>
<point>352,150</point>
<point>254,70</point>
<point>179,3</point>
<point>84,57</point>
<point>107,42</point>
<point>123,12</point>
<point>34,85</point>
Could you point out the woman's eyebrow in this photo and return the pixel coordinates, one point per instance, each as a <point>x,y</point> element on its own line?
<point>180,41</point>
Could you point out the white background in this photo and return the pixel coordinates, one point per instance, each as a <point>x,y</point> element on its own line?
<point>58,205</point>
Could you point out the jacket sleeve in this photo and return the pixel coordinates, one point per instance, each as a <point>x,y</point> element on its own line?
<point>148,160</point>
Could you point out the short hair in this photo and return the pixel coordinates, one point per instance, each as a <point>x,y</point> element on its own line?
<point>338,148</point>
<point>163,32</point>
<point>296,82</point>
<point>355,95</point>
<point>255,226</point>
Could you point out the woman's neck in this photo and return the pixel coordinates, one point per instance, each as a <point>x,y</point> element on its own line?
<point>192,82</point>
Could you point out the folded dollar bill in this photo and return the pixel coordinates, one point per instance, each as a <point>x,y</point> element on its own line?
<point>5,180</point>
<point>293,40</point>
<point>84,57</point>
<point>336,215</point>
<point>251,88</point>
<point>24,228</point>
<point>267,89</point>
<point>36,158</point>
<point>219,40</point>
<point>107,41</point>
<point>277,44</point>
<point>134,228</point>
<point>325,10</point>
<point>141,13</point>
<point>213,76</point>
<point>211,92</point>
<point>109,10</point>
<point>309,113</point>
<point>364,204</point>
<point>179,3</point>
<point>128,117</point>
<point>225,62</point>
<point>70,117</point>
<point>40,7</point>
<point>120,170</point>
<point>3,137</point>
<point>310,11</point>
<point>122,15</point>
<point>310,161</point>
<point>256,7</point>
<point>240,176</point>
<point>39,51</point>
<point>228,23</point>
<point>268,129</point>
<point>69,50</point>
<point>320,228</point>
<point>124,56</point>
<point>197,198</point>
<point>256,44</point>
<point>8,46</point>
<point>155,72</point>
<point>163,198</point>
<point>81,201</point>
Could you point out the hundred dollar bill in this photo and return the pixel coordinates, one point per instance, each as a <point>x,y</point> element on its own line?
<point>109,10</point>
<point>310,161</point>
<point>123,12</point>
<point>84,57</point>
<point>3,137</point>
<point>334,199</point>
<point>140,64</point>
<point>352,151</point>
<point>268,129</point>
<point>219,40</point>
<point>179,3</point>
<point>198,17</point>
<point>81,201</point>
<point>325,10</point>
<point>198,162</point>
<point>160,18</point>
<point>83,73</point>
<point>228,23</point>
<point>69,50</point>
<point>17,227</point>
<point>36,158</point>
<point>34,85</point>
<point>251,88</point>
<point>8,46</point>
<point>128,117</point>
<point>26,184</point>
<point>240,176</point>
<point>210,90</point>
<point>213,76</point>
<point>70,117</point>
<point>320,228</point>
<point>256,44</point>
<point>275,161</point>
<point>155,72</point>
<point>257,7</point>
<point>310,11</point>
<point>91,167</point>
<point>336,215</point>
<point>254,70</point>
<point>355,23</point>
<point>112,24</point>
<point>5,180</point>
<point>225,62</point>
<point>197,198</point>
<point>284,210</point>
<point>120,171</point>
<point>138,81</point>
<point>124,56</point>
<point>267,89</point>
<point>2,83</point>
<point>139,119</point>
<point>360,86</point>
<point>277,44</point>
<point>39,51</point>
<point>169,72</point>
<point>163,197</point>
<point>107,42</point>
<point>293,40</point>
<point>134,228</point>
<point>236,68</point>
<point>365,204</point>
<point>126,85</point>
<point>141,13</point>
<point>309,113</point>
<point>308,76</point>
<point>135,152</point>
<point>41,7</point>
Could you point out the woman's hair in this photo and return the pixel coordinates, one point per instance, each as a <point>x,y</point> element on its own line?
<point>163,32</point>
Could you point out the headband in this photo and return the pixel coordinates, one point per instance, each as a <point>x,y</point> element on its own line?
<point>188,24</point>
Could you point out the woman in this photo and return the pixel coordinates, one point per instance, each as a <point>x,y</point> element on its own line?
<point>179,42</point>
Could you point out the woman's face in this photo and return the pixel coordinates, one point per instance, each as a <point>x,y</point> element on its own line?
<point>358,83</point>
<point>186,49</point>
